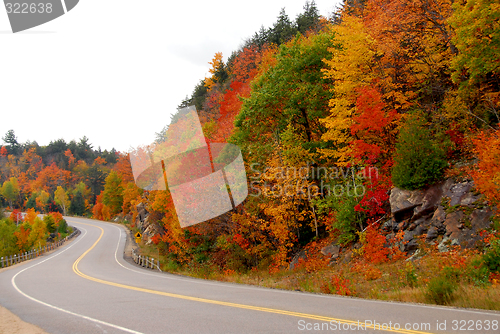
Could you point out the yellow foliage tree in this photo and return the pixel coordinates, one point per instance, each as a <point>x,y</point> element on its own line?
<point>62,199</point>
<point>217,66</point>
<point>38,234</point>
<point>350,68</point>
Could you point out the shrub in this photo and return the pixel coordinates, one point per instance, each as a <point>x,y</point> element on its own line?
<point>337,285</point>
<point>409,275</point>
<point>440,290</point>
<point>418,161</point>
<point>171,266</point>
<point>344,218</point>
<point>373,249</point>
<point>451,273</point>
<point>492,256</point>
<point>372,273</point>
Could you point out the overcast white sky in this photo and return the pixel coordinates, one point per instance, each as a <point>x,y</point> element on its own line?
<point>114,70</point>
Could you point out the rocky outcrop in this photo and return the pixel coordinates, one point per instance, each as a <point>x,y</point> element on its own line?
<point>142,214</point>
<point>449,211</point>
<point>145,225</point>
<point>295,260</point>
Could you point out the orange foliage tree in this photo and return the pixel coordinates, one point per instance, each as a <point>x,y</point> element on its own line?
<point>487,174</point>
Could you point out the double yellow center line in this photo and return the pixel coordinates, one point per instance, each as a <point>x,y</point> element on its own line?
<point>228,304</point>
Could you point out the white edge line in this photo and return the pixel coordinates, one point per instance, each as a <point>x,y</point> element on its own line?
<point>487,312</point>
<point>61,309</point>
<point>64,6</point>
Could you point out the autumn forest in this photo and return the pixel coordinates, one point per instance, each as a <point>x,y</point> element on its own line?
<point>331,114</point>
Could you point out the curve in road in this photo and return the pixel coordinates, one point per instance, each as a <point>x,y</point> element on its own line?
<point>86,287</point>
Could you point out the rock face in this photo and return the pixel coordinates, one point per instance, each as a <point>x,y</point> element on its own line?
<point>141,216</point>
<point>300,255</point>
<point>449,209</point>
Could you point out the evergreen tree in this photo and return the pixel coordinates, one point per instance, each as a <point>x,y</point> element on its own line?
<point>309,19</point>
<point>418,161</point>
<point>283,30</point>
<point>77,206</point>
<point>95,178</point>
<point>31,204</point>
<point>10,139</point>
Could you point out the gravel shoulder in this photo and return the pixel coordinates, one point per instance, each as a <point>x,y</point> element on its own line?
<point>12,324</point>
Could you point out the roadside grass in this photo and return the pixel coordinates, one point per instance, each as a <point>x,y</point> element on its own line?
<point>455,278</point>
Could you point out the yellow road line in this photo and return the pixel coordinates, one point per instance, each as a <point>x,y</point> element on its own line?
<point>222,303</point>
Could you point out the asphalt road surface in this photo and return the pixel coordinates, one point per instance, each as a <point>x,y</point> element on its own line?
<point>87,287</point>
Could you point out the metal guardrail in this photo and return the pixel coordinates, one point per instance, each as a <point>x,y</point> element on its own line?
<point>145,261</point>
<point>8,261</point>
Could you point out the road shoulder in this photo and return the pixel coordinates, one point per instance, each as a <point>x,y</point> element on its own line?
<point>12,324</point>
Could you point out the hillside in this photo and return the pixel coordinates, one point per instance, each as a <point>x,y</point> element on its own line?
<point>368,138</point>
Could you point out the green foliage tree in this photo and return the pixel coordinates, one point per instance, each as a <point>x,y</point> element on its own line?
<point>49,223</point>
<point>477,38</point>
<point>7,239</point>
<point>63,227</point>
<point>10,191</point>
<point>418,160</point>
<point>291,92</point>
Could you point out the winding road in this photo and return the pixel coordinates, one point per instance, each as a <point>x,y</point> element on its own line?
<point>87,287</point>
